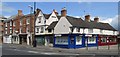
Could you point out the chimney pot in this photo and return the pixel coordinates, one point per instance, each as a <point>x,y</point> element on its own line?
<point>20,12</point>
<point>63,12</point>
<point>96,19</point>
<point>55,11</point>
<point>87,18</point>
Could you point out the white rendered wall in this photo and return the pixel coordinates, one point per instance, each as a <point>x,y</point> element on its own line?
<point>63,26</point>
<point>96,31</point>
<point>51,19</point>
<point>107,32</point>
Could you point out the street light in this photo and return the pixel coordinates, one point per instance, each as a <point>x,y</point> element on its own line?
<point>31,10</point>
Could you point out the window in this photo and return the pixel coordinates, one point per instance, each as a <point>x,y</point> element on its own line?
<point>6,24</point>
<point>13,23</point>
<point>112,39</point>
<point>103,40</point>
<point>113,32</point>
<point>79,38</point>
<point>49,30</point>
<point>53,16</point>
<point>20,22</point>
<point>42,30</point>
<point>28,21</point>
<point>71,28</point>
<point>5,32</point>
<point>90,30</point>
<point>37,30</point>
<point>10,31</point>
<point>61,40</point>
<point>10,23</point>
<point>39,21</point>
<point>100,31</point>
<point>5,28</point>
<point>27,30</point>
<point>20,30</point>
<point>78,29</point>
<point>91,39</point>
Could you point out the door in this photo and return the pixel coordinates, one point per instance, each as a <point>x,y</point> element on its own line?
<point>72,41</point>
<point>86,41</point>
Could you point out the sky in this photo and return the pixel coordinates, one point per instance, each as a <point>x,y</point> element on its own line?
<point>106,11</point>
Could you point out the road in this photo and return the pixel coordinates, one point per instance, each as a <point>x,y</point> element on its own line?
<point>19,50</point>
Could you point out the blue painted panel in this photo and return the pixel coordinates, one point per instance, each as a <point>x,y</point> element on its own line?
<point>61,46</point>
<point>54,41</point>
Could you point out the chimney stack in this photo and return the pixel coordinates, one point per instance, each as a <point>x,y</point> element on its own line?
<point>20,13</point>
<point>87,18</point>
<point>37,11</point>
<point>96,19</point>
<point>55,11</point>
<point>63,12</point>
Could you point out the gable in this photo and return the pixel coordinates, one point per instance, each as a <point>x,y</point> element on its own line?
<point>63,26</point>
<point>51,19</point>
<point>40,20</point>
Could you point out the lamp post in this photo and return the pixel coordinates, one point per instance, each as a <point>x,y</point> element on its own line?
<point>30,27</point>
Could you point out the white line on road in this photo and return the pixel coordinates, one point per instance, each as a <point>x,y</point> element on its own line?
<point>48,53</point>
<point>32,51</point>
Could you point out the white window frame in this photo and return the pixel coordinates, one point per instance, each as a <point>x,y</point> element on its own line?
<point>90,30</point>
<point>13,23</point>
<point>20,30</point>
<point>27,30</point>
<point>101,30</point>
<point>6,24</point>
<point>28,21</point>
<point>10,23</point>
<point>37,30</point>
<point>53,16</point>
<point>41,29</point>
<point>5,32</point>
<point>5,28</point>
<point>10,31</point>
<point>39,19</point>
<point>20,22</point>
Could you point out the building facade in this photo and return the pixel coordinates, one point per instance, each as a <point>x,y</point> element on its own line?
<point>42,22</point>
<point>2,18</point>
<point>58,30</point>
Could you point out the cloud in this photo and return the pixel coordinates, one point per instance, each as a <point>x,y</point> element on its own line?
<point>113,21</point>
<point>7,16</point>
<point>108,20</point>
<point>5,8</point>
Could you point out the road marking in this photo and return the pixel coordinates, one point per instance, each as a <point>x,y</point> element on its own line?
<point>49,53</point>
<point>32,51</point>
<point>46,53</point>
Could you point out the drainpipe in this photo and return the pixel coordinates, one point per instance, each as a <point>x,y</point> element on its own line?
<point>97,41</point>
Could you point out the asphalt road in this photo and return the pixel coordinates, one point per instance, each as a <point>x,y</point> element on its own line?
<point>22,51</point>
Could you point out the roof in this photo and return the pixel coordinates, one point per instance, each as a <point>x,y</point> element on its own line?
<point>52,25</point>
<point>2,17</point>
<point>28,15</point>
<point>46,16</point>
<point>11,18</point>
<point>78,22</point>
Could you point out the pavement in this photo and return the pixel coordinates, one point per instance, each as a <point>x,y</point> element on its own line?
<point>16,49</point>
